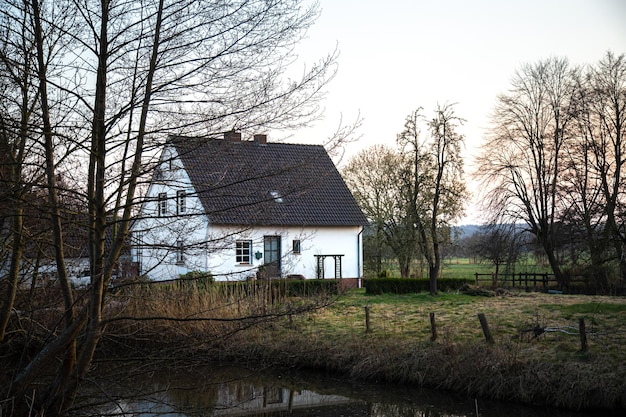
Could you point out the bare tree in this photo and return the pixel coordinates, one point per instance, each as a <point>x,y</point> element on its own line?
<point>434,188</point>
<point>113,78</point>
<point>501,245</point>
<point>603,118</point>
<point>413,195</point>
<point>19,166</point>
<point>372,177</point>
<point>582,191</point>
<point>521,164</point>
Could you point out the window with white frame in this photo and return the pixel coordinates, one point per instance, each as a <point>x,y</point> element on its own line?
<point>180,252</point>
<point>181,202</point>
<point>162,204</point>
<point>296,246</point>
<point>243,251</point>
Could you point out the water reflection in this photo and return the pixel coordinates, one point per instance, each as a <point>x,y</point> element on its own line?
<point>231,391</point>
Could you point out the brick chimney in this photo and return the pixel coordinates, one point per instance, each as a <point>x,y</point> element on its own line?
<point>232,136</point>
<point>260,139</point>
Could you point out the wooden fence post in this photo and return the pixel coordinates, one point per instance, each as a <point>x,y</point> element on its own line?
<point>583,334</point>
<point>367,319</point>
<point>433,327</point>
<point>485,327</point>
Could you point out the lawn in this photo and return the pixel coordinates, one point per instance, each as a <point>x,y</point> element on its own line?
<point>514,317</point>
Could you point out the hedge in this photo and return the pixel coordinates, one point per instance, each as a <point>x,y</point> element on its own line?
<point>200,280</point>
<point>308,287</point>
<point>285,287</point>
<point>375,286</point>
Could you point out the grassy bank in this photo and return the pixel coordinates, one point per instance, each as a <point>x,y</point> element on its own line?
<point>535,356</point>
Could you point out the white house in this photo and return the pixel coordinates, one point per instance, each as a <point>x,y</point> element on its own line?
<point>242,209</point>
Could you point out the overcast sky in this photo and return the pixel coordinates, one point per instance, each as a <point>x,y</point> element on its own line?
<point>398,55</point>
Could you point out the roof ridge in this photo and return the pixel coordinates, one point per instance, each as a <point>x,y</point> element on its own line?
<point>180,138</point>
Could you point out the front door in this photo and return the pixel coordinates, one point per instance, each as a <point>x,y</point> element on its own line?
<point>271,249</point>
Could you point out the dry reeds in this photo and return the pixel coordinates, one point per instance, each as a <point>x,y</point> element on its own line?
<point>199,317</point>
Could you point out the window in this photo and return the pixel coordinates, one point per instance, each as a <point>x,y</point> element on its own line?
<point>180,202</point>
<point>243,251</point>
<point>180,252</point>
<point>296,246</point>
<point>138,239</point>
<point>162,204</point>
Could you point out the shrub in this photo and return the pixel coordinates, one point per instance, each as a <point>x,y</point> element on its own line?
<point>280,288</point>
<point>410,285</point>
<point>309,287</point>
<point>200,280</point>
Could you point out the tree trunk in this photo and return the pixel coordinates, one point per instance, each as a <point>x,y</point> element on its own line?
<point>405,267</point>
<point>69,359</point>
<point>433,272</point>
<point>12,281</point>
<point>434,267</point>
<point>554,265</point>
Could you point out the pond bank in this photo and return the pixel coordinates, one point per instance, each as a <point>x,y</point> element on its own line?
<point>470,369</point>
<point>222,389</point>
<point>548,369</point>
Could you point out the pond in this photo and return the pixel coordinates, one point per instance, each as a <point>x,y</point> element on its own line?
<point>234,391</point>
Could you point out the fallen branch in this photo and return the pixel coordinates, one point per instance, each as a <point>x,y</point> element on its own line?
<point>538,330</point>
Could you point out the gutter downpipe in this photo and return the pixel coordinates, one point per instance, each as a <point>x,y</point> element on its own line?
<point>359,255</point>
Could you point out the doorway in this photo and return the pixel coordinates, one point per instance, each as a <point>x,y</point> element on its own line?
<point>271,249</point>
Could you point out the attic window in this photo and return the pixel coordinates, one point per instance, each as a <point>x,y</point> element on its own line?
<point>162,204</point>
<point>276,196</point>
<point>181,203</point>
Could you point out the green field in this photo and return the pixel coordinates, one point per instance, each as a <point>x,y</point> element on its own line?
<point>463,268</point>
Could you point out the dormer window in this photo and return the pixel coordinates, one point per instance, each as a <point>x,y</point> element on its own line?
<point>276,196</point>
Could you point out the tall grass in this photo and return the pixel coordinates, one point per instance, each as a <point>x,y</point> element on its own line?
<point>152,314</point>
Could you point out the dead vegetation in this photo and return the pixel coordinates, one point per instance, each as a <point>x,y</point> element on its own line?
<point>535,358</point>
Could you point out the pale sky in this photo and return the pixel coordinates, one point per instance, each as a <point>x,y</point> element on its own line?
<point>398,55</point>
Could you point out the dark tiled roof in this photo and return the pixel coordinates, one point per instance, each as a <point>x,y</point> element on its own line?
<point>249,183</point>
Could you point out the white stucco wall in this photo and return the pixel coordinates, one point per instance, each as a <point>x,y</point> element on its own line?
<point>216,253</point>
<point>344,241</point>
<point>156,235</point>
<point>213,248</point>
